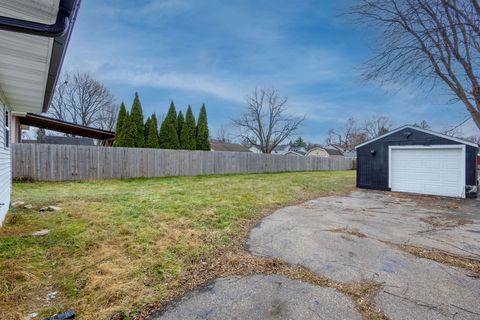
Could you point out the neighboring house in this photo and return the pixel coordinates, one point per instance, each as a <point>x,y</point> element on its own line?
<point>343,151</point>
<point>317,152</point>
<point>286,148</point>
<point>281,149</point>
<point>74,141</point>
<point>299,150</point>
<point>350,154</point>
<point>255,149</point>
<point>324,152</point>
<point>336,146</point>
<point>293,153</point>
<point>223,146</point>
<point>411,159</point>
<point>35,37</point>
<point>334,152</point>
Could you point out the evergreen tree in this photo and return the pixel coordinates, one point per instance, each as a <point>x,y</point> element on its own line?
<point>136,118</point>
<point>172,114</point>
<point>173,137</point>
<point>202,130</point>
<point>187,136</point>
<point>299,143</point>
<point>165,137</point>
<point>122,114</point>
<point>155,123</point>
<point>127,133</point>
<point>152,137</point>
<point>146,129</point>
<point>180,122</point>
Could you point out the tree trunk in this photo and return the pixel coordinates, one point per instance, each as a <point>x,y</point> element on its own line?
<point>476,112</point>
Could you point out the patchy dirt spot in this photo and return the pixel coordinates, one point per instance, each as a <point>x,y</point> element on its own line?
<point>306,205</point>
<point>353,232</point>
<point>471,265</point>
<point>446,221</point>
<point>435,202</point>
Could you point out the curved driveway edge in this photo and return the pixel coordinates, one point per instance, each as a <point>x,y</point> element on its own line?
<point>261,297</point>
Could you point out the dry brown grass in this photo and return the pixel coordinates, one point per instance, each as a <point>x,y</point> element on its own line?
<point>471,265</point>
<point>119,245</point>
<point>353,232</point>
<point>445,221</point>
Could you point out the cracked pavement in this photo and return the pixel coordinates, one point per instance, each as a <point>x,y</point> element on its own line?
<point>413,288</point>
<point>261,297</point>
<point>349,239</point>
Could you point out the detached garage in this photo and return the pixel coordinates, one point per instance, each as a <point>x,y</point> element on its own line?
<point>410,159</point>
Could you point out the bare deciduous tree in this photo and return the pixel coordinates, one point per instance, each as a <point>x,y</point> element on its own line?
<point>80,99</point>
<point>377,126</point>
<point>474,139</point>
<point>266,121</point>
<point>348,136</point>
<point>428,41</point>
<point>223,135</point>
<point>455,131</point>
<point>422,125</point>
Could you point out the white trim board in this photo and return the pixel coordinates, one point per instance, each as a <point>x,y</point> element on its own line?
<point>448,146</point>
<point>422,130</point>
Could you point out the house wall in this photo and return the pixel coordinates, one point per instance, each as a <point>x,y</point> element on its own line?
<point>372,170</point>
<point>5,166</point>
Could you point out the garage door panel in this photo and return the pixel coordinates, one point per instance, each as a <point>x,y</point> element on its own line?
<point>427,171</point>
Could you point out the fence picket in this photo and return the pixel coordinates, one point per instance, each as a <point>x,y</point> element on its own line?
<point>64,162</point>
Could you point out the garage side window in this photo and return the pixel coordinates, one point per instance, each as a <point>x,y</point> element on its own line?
<point>7,129</point>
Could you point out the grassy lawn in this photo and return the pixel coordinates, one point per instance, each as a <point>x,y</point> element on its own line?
<point>117,244</point>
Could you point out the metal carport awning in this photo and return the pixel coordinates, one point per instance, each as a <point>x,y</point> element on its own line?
<point>39,121</point>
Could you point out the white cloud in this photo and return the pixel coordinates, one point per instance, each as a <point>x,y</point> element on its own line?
<point>182,81</point>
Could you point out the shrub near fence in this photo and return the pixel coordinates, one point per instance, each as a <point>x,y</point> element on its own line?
<point>65,162</point>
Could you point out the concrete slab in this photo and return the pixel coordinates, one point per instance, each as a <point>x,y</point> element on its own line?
<point>414,288</point>
<point>261,297</point>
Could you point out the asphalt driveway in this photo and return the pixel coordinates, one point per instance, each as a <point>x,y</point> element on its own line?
<point>358,237</point>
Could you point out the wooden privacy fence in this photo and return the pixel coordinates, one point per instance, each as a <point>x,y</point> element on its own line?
<point>65,162</point>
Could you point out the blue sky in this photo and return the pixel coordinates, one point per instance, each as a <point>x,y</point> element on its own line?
<point>216,52</point>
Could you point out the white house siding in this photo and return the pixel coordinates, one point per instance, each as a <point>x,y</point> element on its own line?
<point>5,167</point>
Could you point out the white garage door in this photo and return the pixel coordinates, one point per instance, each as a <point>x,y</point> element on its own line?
<point>428,170</point>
